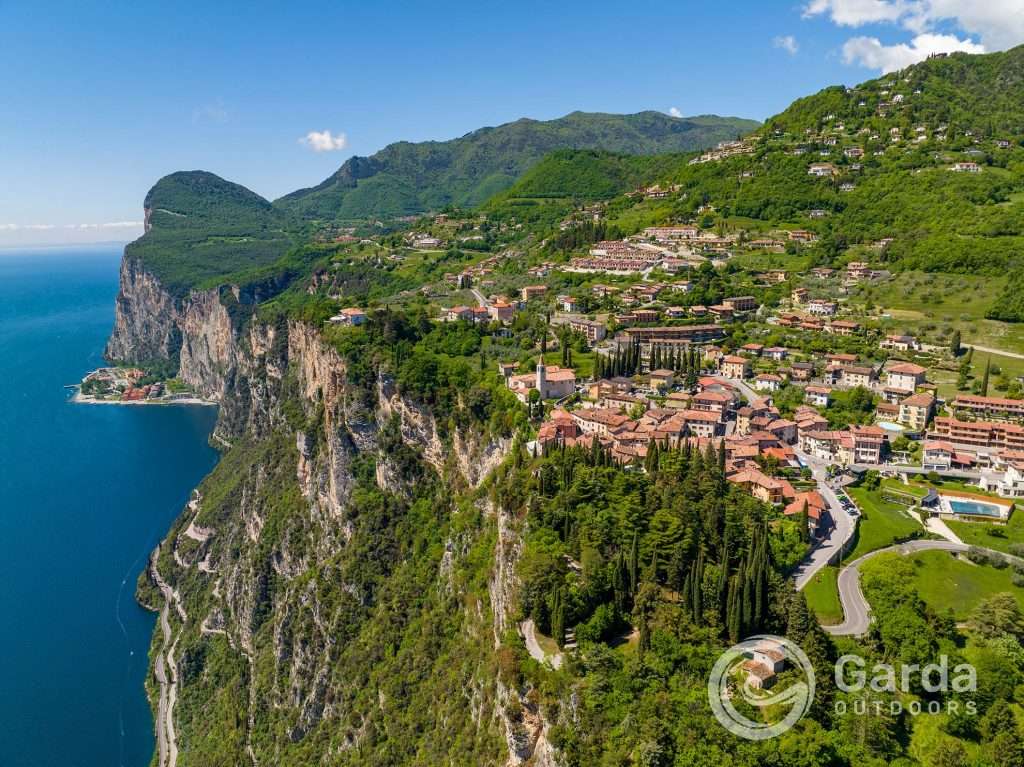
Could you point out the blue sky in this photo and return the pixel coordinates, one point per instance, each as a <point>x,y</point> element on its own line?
<point>100,99</point>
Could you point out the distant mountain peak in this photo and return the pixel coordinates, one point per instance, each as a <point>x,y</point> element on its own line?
<point>405,177</point>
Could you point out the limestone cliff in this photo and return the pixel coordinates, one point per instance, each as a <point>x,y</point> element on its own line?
<point>340,589</point>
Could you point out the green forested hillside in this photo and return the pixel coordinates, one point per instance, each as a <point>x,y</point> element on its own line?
<point>587,174</point>
<point>407,178</point>
<point>200,227</point>
<point>982,94</point>
<point>891,146</point>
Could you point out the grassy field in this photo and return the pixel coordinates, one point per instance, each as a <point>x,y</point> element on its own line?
<point>881,523</point>
<point>981,533</point>
<point>582,362</point>
<point>945,582</point>
<point>918,491</point>
<point>932,305</point>
<point>822,595</point>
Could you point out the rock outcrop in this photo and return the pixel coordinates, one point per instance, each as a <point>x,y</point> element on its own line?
<point>298,565</point>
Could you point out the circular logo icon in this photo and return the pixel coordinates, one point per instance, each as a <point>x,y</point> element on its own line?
<point>757,672</point>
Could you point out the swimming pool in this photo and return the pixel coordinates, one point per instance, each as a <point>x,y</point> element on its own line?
<point>976,508</point>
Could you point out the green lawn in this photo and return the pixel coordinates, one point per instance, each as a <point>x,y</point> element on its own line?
<point>955,484</point>
<point>945,582</point>
<point>881,523</point>
<point>822,595</point>
<point>582,362</point>
<point>980,533</point>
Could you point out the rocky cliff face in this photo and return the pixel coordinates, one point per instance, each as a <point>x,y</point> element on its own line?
<point>145,318</point>
<point>340,587</point>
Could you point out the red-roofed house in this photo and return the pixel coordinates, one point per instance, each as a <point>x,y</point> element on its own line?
<point>735,367</point>
<point>816,508</point>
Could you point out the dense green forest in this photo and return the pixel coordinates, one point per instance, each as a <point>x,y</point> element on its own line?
<point>201,228</point>
<point>407,178</point>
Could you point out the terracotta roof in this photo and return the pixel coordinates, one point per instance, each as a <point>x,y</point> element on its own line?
<point>908,368</point>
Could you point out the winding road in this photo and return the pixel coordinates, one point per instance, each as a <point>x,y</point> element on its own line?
<point>831,546</point>
<point>856,609</point>
<point>165,670</point>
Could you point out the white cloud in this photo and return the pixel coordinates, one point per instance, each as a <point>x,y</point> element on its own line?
<point>787,43</point>
<point>26,227</point>
<point>324,141</point>
<point>998,24</point>
<point>47,227</point>
<point>674,111</point>
<point>871,53</point>
<point>854,13</point>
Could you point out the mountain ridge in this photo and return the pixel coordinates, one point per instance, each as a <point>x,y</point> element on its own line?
<point>401,178</point>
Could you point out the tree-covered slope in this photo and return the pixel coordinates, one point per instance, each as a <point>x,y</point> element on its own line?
<point>887,148</point>
<point>406,178</point>
<point>980,93</point>
<point>200,227</point>
<point>589,174</point>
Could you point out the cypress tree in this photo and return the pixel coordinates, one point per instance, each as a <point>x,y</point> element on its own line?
<point>734,620</point>
<point>619,585</point>
<point>558,618</point>
<point>634,564</point>
<point>984,378</point>
<point>805,524</point>
<point>747,615</point>
<point>677,570</point>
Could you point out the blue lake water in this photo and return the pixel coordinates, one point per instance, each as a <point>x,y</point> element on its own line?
<point>85,493</point>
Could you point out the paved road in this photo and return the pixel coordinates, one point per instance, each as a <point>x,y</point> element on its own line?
<point>1000,352</point>
<point>843,526</point>
<point>479,297</point>
<point>745,390</point>
<point>529,632</point>
<point>166,674</point>
<point>956,474</point>
<point>856,610</point>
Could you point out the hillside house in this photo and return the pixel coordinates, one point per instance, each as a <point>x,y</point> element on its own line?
<point>905,376</point>
<point>822,308</point>
<point>768,382</point>
<point>899,343</point>
<point>735,367</point>
<point>817,395</point>
<point>916,411</point>
<point>501,311</point>
<point>568,303</point>
<point>350,316</point>
<point>589,329</point>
